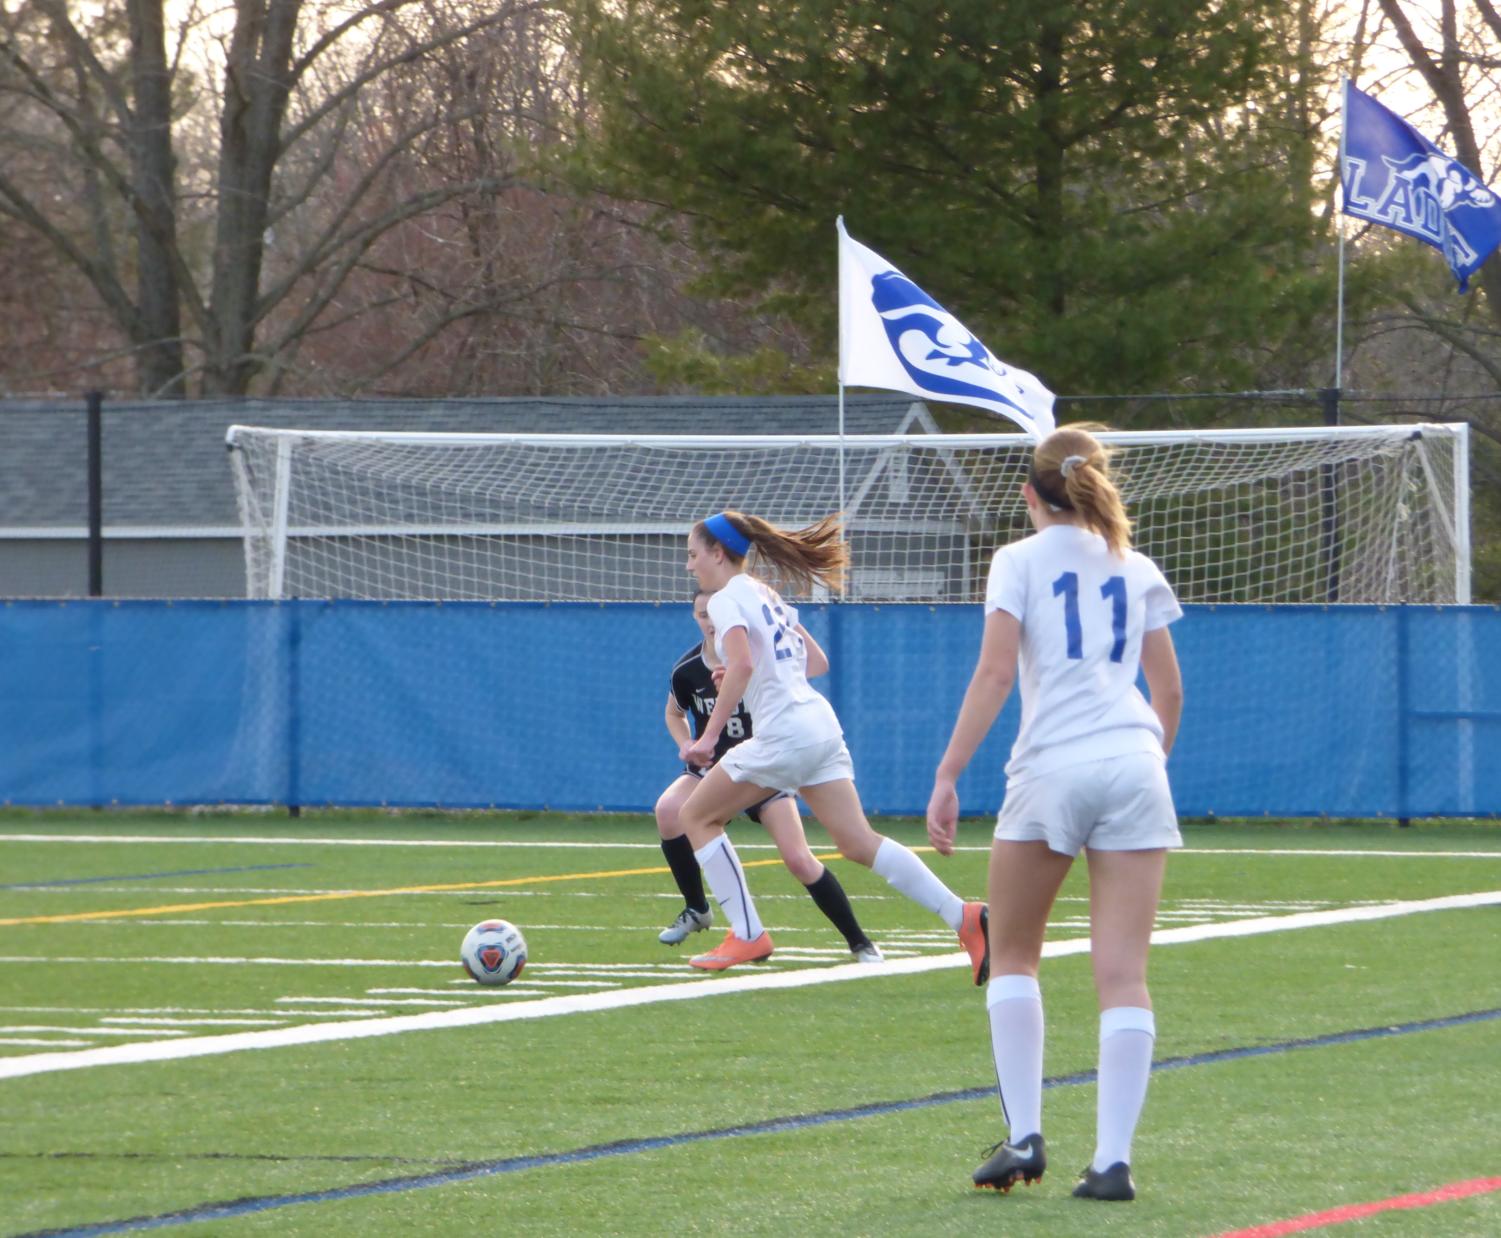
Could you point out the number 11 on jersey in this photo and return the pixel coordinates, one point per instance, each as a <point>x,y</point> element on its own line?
<point>1112,591</point>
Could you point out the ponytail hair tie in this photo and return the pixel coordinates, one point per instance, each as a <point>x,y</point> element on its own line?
<point>727,535</point>
<point>1070,463</point>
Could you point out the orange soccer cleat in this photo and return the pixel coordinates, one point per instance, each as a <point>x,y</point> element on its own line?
<point>974,936</point>
<point>733,950</point>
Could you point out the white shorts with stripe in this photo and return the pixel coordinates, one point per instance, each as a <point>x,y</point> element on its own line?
<point>1119,804</point>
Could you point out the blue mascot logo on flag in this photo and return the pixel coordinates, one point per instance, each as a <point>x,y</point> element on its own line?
<point>1451,183</point>
<point>1420,196</point>
<point>935,348</point>
<point>1393,175</point>
<point>1420,191</point>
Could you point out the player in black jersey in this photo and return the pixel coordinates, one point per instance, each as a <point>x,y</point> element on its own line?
<point>692,696</point>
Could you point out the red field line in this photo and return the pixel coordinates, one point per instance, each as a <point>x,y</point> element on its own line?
<point>1355,1212</point>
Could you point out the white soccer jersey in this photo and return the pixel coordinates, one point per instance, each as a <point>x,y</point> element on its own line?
<point>785,706</point>
<point>1083,613</point>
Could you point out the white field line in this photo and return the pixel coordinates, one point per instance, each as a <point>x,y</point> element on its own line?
<point>120,1010</point>
<point>253,840</point>
<point>91,1031</point>
<point>278,841</point>
<point>1387,855</point>
<point>214,1022</point>
<point>481,993</point>
<point>22,1040</point>
<point>646,995</point>
<point>376,1002</point>
<point>451,964</point>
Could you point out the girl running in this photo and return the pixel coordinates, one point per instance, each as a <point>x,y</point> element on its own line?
<point>798,745</point>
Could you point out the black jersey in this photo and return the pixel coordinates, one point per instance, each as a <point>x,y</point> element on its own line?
<point>694,691</point>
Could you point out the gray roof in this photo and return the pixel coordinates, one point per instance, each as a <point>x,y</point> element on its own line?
<point>165,463</point>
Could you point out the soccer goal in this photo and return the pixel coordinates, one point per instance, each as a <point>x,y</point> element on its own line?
<point>1314,515</point>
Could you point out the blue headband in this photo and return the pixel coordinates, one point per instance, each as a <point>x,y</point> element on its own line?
<point>727,535</point>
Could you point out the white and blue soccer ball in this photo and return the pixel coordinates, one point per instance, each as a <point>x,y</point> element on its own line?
<point>494,952</point>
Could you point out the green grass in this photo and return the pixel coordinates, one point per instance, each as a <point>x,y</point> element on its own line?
<point>1222,1145</point>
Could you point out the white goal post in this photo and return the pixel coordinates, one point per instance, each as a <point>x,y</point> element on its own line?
<point>1367,514</point>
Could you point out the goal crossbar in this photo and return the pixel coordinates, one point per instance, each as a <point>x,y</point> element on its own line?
<point>237,434</point>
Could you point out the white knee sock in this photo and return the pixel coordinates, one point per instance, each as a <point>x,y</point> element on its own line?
<point>727,883</point>
<point>1127,1034</point>
<point>906,873</point>
<point>1016,1033</point>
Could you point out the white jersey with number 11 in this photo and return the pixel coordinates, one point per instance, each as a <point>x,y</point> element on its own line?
<point>1083,614</point>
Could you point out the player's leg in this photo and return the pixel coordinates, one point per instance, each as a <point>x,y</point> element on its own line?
<point>779,817</point>
<point>781,820</point>
<point>1023,884</point>
<point>1124,889</point>
<point>703,815</point>
<point>836,804</point>
<point>1127,852</point>
<point>678,852</point>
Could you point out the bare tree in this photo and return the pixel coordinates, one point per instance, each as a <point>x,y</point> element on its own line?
<point>1439,353</point>
<point>215,247</point>
<point>1457,52</point>
<point>1449,51</point>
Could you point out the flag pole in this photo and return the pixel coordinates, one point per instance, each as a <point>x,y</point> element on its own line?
<point>842,514</point>
<point>1339,325</point>
<point>1339,313</point>
<point>843,343</point>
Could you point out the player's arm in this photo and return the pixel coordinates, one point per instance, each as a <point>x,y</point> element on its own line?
<point>677,723</point>
<point>737,673</point>
<point>1159,663</point>
<point>818,660</point>
<point>989,686</point>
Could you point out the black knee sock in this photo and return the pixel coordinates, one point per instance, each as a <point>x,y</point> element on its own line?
<point>834,903</point>
<point>685,871</point>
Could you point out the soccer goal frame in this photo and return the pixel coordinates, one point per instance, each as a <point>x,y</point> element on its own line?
<point>1364,514</point>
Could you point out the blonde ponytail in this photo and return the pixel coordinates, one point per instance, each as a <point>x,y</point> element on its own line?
<point>798,558</point>
<point>1071,470</point>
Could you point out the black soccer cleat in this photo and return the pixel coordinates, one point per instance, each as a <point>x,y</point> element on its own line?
<point>1011,1163</point>
<point>1114,1184</point>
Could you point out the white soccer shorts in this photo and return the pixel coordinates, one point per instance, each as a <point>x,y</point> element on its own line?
<point>788,769</point>
<point>1119,804</point>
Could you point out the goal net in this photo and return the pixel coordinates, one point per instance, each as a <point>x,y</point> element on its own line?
<point>1314,515</point>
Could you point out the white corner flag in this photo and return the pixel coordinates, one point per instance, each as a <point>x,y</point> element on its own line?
<point>894,336</point>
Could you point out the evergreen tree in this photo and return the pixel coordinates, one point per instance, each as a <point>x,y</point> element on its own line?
<point>1096,187</point>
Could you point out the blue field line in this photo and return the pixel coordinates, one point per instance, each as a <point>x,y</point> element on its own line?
<point>465,1172</point>
<point>181,872</point>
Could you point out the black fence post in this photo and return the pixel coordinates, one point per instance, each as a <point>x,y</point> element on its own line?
<point>1329,402</point>
<point>96,492</point>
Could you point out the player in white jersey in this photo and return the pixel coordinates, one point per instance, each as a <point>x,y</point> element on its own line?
<point>695,687</point>
<point>798,745</point>
<point>1073,612</point>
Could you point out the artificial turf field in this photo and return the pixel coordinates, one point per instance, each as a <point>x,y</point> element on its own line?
<point>1309,1060</point>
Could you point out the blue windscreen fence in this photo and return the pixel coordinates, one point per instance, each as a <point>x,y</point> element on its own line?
<point>1299,711</point>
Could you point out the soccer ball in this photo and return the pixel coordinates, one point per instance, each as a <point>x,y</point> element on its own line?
<point>494,952</point>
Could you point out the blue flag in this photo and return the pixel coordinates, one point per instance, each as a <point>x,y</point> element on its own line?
<point>1393,175</point>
